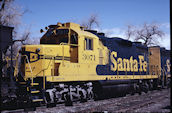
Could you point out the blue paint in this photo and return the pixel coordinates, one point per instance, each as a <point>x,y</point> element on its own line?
<point>125,49</point>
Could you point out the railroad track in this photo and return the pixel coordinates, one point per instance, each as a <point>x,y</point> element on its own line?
<point>129,103</point>
<point>140,103</point>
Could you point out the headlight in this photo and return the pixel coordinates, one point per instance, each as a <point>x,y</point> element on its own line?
<point>38,50</point>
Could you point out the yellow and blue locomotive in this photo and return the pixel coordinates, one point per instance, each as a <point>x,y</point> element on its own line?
<point>76,64</point>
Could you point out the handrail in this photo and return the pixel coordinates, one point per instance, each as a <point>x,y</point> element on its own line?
<point>164,70</point>
<point>63,50</point>
<point>63,55</point>
<point>44,68</point>
<point>29,67</point>
<point>62,43</point>
<point>68,44</point>
<point>73,44</point>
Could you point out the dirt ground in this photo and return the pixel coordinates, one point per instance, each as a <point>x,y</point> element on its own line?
<point>153,101</point>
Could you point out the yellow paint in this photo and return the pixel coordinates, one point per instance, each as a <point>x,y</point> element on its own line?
<point>129,65</point>
<point>143,64</point>
<point>135,66</point>
<point>35,91</point>
<point>37,100</point>
<point>83,68</point>
<point>114,66</point>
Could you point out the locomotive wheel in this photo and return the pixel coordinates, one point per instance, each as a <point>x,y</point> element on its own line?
<point>68,100</point>
<point>145,87</point>
<point>91,95</point>
<point>150,86</point>
<point>139,89</point>
<point>82,97</point>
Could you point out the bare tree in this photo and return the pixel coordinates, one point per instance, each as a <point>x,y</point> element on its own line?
<point>130,31</point>
<point>10,15</point>
<point>149,34</point>
<point>92,20</point>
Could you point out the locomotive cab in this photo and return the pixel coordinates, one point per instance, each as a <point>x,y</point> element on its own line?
<point>62,36</point>
<point>65,51</point>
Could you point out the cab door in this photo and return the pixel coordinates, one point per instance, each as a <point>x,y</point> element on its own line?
<point>74,47</point>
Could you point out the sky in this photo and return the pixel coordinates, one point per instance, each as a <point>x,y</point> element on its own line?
<point>113,15</point>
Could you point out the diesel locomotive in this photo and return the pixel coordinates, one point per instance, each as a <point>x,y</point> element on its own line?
<point>74,64</point>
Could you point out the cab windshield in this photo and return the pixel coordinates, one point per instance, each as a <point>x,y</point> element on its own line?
<point>57,36</point>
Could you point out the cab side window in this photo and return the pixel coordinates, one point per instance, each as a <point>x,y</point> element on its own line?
<point>74,39</point>
<point>88,44</point>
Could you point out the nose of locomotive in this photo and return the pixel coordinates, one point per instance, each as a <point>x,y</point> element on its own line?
<point>30,60</point>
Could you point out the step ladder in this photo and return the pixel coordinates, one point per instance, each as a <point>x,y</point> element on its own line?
<point>36,93</point>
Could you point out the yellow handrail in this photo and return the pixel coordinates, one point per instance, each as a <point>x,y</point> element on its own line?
<point>29,67</point>
<point>63,55</point>
<point>69,44</point>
